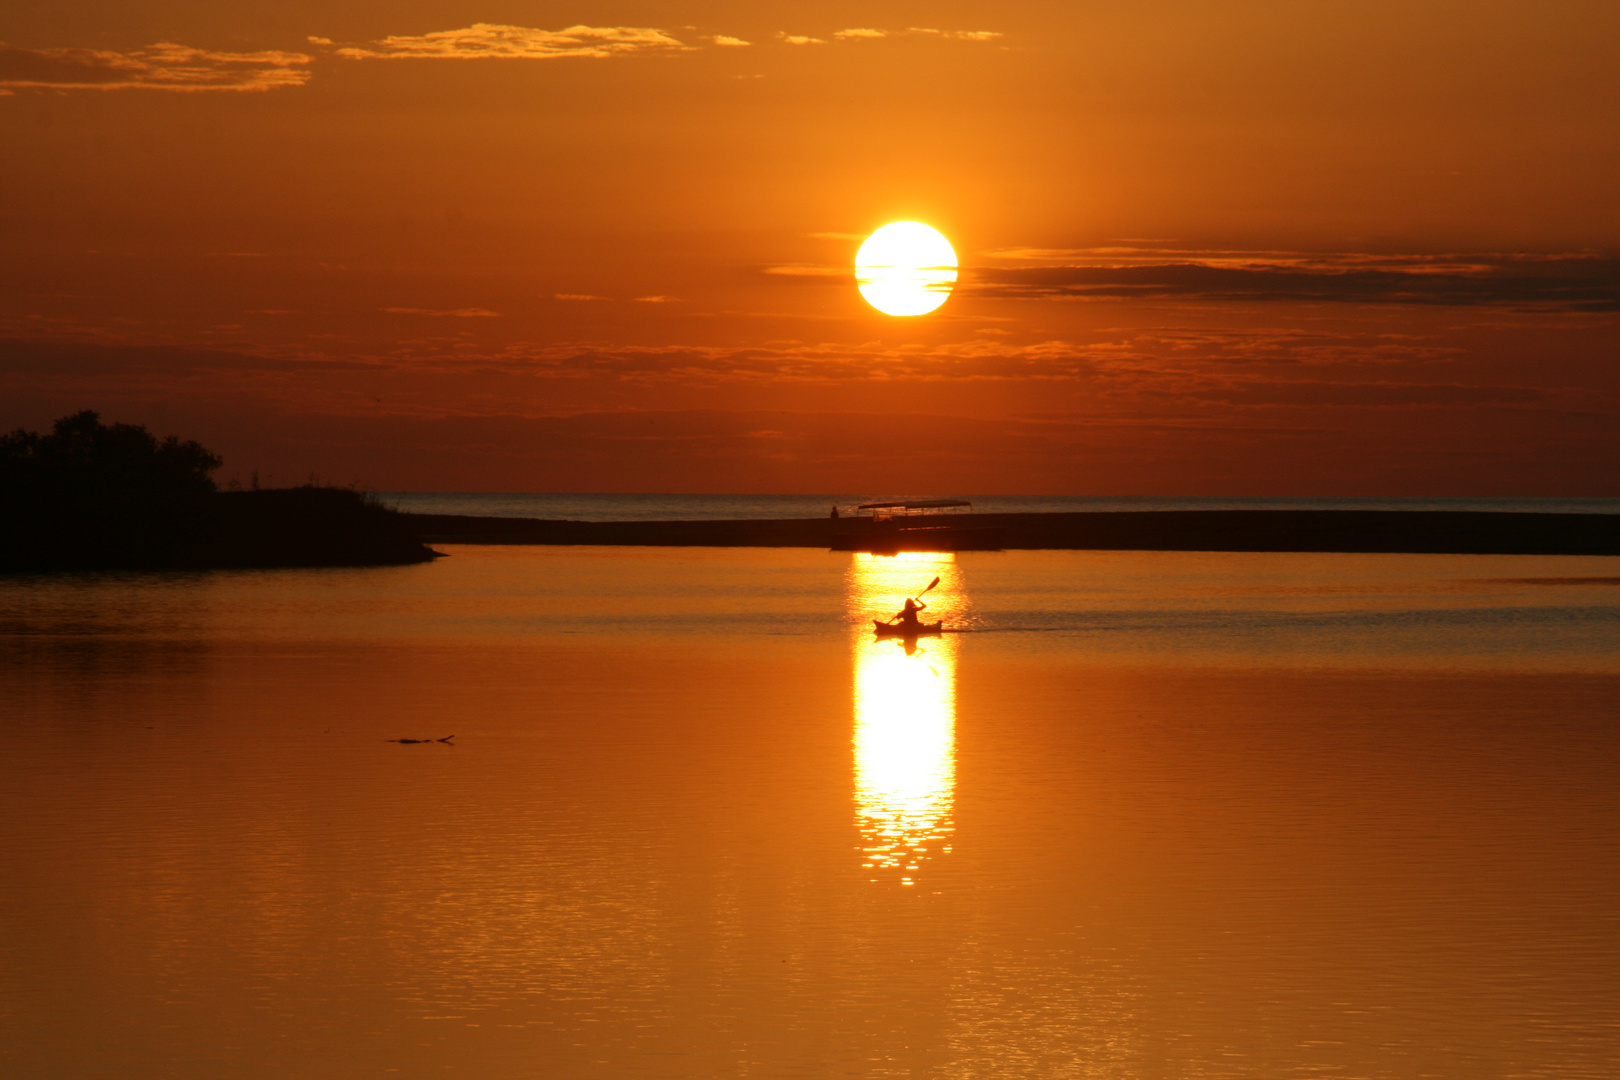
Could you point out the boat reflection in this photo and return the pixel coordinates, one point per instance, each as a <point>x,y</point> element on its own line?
<point>905,718</point>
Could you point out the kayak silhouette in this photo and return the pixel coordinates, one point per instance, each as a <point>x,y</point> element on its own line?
<point>905,623</point>
<point>922,629</point>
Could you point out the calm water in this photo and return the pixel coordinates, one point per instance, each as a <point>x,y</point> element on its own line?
<point>738,507</point>
<point>1153,815</point>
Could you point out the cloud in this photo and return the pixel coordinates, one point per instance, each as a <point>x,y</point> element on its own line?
<point>868,33</point>
<point>732,42</point>
<point>1325,262</point>
<point>658,299</point>
<point>1166,367</point>
<point>456,313</point>
<point>482,41</point>
<point>791,361</point>
<point>1189,363</point>
<point>813,270</point>
<point>533,415</point>
<point>576,296</point>
<point>1140,410</point>
<point>1578,281</point>
<point>799,39</point>
<point>164,66</point>
<point>77,361</point>
<point>1367,395</point>
<point>1178,346</point>
<point>958,35</point>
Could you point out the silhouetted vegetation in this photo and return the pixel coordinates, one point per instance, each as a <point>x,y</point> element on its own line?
<point>84,460</point>
<point>89,495</point>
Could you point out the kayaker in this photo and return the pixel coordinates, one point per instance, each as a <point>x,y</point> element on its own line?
<point>907,616</point>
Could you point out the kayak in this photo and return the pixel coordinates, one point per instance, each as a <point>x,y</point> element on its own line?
<point>927,629</point>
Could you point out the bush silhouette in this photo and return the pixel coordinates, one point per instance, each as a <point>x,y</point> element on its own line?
<point>94,496</point>
<point>84,459</point>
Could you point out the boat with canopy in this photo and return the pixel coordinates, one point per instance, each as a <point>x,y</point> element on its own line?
<point>884,511</point>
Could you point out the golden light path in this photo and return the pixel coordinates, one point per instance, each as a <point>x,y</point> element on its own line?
<point>905,268</point>
<point>905,719</point>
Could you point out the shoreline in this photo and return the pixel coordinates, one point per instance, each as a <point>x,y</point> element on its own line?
<point>274,528</point>
<point>1460,532</point>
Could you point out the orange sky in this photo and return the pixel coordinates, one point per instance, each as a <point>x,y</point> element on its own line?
<point>1208,248</point>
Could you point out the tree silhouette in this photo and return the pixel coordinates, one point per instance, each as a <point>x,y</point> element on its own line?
<point>111,464</point>
<point>89,494</point>
<point>94,496</point>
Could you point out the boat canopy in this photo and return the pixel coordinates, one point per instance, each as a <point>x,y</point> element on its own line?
<point>905,509</point>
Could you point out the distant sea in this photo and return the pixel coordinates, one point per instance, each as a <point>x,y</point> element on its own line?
<point>607,507</point>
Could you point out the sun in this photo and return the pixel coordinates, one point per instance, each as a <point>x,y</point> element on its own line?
<point>906,268</point>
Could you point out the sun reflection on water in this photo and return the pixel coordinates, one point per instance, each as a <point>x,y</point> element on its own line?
<point>905,719</point>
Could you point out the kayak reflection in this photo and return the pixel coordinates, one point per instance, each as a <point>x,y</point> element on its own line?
<point>905,720</point>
